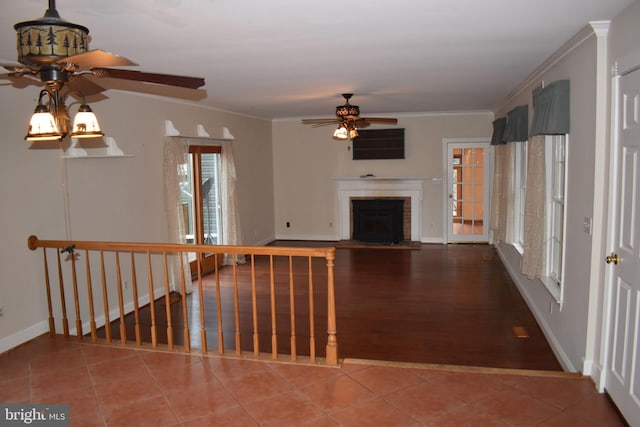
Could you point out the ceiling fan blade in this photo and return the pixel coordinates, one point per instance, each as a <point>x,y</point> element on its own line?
<point>19,80</point>
<point>96,58</point>
<point>17,69</point>
<point>317,125</point>
<point>10,65</point>
<point>83,85</point>
<point>163,79</point>
<point>387,120</point>
<point>319,121</point>
<point>361,123</point>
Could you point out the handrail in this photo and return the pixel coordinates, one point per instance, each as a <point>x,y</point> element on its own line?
<point>264,276</point>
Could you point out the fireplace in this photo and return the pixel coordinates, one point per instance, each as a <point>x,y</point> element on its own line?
<point>378,220</point>
<point>408,189</point>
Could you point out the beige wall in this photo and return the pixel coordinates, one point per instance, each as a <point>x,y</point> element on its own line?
<point>574,328</point>
<point>566,325</point>
<point>307,159</point>
<point>114,199</point>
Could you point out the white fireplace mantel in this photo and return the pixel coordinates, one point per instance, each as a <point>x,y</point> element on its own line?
<point>373,186</point>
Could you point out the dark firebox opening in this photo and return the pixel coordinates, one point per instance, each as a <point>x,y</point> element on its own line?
<point>378,221</point>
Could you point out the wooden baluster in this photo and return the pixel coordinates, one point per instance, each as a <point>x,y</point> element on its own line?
<point>332,341</point>
<point>105,299</point>
<point>272,288</point>
<point>218,304</point>
<point>292,310</point>
<point>236,305</point>
<point>185,314</point>
<point>134,290</point>
<point>65,322</point>
<point>76,301</point>
<point>52,323</point>
<point>167,300</point>
<point>92,314</point>
<point>254,308</point>
<point>312,327</point>
<point>203,326</point>
<point>152,303</point>
<point>123,326</point>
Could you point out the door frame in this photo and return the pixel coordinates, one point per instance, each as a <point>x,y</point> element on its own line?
<point>488,163</point>
<point>208,262</point>
<point>607,333</point>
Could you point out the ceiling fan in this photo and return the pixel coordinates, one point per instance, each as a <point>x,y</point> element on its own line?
<point>56,52</point>
<point>348,120</point>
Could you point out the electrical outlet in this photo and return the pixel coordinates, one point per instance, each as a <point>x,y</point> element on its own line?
<point>1,311</point>
<point>288,224</point>
<point>126,284</point>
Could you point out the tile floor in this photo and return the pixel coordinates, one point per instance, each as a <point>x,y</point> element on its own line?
<point>129,387</point>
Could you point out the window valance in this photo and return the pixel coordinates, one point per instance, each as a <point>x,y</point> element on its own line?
<point>517,124</point>
<point>498,131</point>
<point>551,109</point>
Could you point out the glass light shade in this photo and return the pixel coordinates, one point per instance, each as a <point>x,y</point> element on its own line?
<point>341,133</point>
<point>43,126</point>
<point>85,124</point>
<point>353,133</point>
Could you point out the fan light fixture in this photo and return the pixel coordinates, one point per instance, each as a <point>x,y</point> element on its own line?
<point>341,133</point>
<point>345,131</point>
<point>50,121</point>
<point>43,126</point>
<point>85,124</point>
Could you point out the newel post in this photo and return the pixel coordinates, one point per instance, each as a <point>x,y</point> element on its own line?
<point>332,341</point>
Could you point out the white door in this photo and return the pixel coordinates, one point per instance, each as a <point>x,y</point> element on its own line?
<point>467,191</point>
<point>622,376</point>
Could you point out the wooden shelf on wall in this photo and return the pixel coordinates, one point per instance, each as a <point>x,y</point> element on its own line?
<point>201,134</point>
<point>106,147</point>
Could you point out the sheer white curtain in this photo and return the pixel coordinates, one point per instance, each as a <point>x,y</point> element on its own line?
<point>497,197</point>
<point>231,231</point>
<point>509,192</point>
<point>533,240</point>
<point>503,198</point>
<point>176,158</point>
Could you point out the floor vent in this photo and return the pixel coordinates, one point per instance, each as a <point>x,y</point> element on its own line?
<point>520,332</point>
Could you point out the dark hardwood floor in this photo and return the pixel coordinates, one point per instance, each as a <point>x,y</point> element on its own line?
<point>443,304</point>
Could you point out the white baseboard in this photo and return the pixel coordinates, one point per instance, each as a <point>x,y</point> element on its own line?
<point>556,347</point>
<point>42,327</point>
<point>318,237</point>
<point>432,240</point>
<point>593,370</point>
<point>114,313</point>
<point>264,242</point>
<point>331,238</point>
<point>21,337</point>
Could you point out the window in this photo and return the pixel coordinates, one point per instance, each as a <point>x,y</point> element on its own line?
<point>555,159</point>
<point>520,190</point>
<point>544,228</point>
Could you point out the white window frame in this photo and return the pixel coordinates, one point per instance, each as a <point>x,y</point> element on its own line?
<point>520,187</point>
<point>556,161</point>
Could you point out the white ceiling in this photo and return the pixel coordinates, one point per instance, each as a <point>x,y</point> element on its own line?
<point>293,58</point>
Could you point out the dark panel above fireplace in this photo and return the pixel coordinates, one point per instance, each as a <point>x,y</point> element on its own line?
<point>378,144</point>
<point>378,220</point>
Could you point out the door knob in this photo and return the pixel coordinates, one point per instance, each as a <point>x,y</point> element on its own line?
<point>613,258</point>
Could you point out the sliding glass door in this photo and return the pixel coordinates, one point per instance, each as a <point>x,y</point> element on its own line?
<point>201,201</point>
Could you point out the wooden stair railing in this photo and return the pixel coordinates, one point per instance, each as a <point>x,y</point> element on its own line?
<point>266,275</point>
